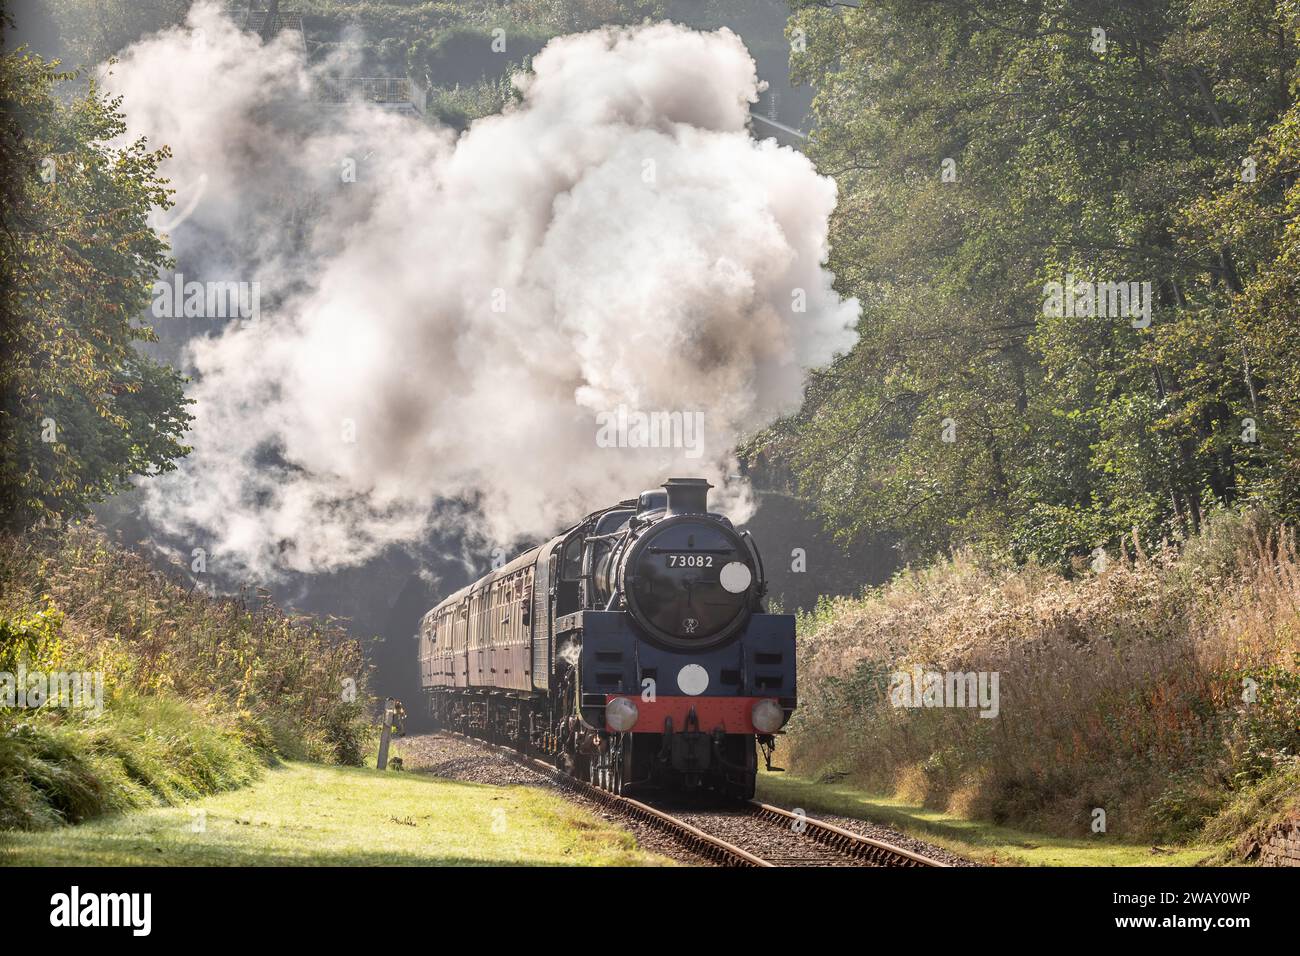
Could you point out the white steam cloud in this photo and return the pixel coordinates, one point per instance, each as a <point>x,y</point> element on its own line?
<point>450,326</point>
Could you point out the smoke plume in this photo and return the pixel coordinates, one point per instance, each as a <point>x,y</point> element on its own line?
<point>447,320</point>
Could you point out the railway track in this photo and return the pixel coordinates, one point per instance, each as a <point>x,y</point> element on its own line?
<point>749,835</point>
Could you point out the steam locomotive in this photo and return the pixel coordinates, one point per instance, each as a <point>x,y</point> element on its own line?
<point>633,649</point>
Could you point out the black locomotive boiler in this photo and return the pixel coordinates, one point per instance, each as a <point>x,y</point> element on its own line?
<point>633,649</point>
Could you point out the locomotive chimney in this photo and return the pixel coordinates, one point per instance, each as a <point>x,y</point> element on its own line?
<point>687,496</point>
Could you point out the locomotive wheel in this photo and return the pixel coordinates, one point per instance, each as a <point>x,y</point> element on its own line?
<point>600,765</point>
<point>621,763</point>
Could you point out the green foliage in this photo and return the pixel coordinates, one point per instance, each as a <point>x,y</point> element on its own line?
<point>1266,732</point>
<point>94,30</point>
<point>33,640</point>
<point>450,44</point>
<point>459,106</point>
<point>1115,164</point>
<point>301,680</point>
<point>82,410</point>
<point>536,17</point>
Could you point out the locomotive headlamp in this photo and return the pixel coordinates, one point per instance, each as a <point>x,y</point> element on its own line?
<point>767,716</point>
<point>735,577</point>
<point>621,714</point>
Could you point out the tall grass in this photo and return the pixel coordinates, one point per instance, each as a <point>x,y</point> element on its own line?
<point>200,691</point>
<point>1162,690</point>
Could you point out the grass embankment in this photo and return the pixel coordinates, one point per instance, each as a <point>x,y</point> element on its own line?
<point>200,694</point>
<point>1162,691</point>
<point>308,814</point>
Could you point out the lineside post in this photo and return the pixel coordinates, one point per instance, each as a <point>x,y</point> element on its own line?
<point>394,716</point>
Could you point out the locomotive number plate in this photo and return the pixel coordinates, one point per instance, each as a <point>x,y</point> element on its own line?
<point>690,560</point>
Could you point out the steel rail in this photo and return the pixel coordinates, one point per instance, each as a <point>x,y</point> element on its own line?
<point>876,852</point>
<point>868,850</point>
<point>692,838</point>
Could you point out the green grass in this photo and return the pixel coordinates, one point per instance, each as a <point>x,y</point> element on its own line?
<point>975,839</point>
<point>311,814</point>
<point>65,767</point>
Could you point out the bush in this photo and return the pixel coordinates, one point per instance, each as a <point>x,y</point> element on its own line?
<point>1158,690</point>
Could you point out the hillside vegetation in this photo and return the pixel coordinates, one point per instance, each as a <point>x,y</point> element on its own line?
<point>987,155</point>
<point>200,693</point>
<point>446,45</point>
<point>1163,690</point>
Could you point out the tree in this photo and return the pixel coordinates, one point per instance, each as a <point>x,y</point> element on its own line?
<point>94,30</point>
<point>1257,215</point>
<point>985,149</point>
<point>83,410</point>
